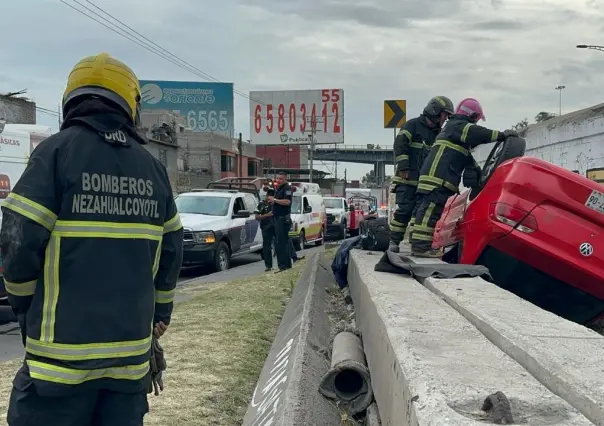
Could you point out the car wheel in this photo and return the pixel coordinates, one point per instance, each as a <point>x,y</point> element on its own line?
<point>342,233</point>
<point>505,150</point>
<point>222,257</point>
<point>322,238</point>
<point>299,242</point>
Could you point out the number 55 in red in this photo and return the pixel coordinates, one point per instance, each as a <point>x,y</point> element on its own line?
<point>332,95</point>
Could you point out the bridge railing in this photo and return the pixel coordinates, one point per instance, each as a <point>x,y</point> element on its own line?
<point>344,147</point>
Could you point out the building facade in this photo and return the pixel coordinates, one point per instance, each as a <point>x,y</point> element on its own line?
<point>15,110</point>
<point>574,141</point>
<point>201,158</point>
<point>286,156</point>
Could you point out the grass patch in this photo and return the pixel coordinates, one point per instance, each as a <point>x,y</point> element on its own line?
<point>215,350</point>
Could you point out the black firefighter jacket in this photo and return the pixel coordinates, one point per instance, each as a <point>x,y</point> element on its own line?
<point>92,247</point>
<point>411,148</point>
<point>450,154</point>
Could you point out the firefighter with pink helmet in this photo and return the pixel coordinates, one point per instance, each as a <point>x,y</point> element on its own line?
<point>440,175</point>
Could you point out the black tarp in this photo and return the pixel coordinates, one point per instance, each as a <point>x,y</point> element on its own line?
<point>399,263</point>
<point>339,266</point>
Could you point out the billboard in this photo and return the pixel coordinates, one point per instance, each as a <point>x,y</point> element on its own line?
<point>206,107</point>
<point>286,117</point>
<point>14,153</point>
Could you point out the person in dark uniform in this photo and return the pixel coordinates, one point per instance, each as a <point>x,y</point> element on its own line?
<point>264,214</point>
<point>441,173</point>
<point>281,212</point>
<point>92,246</point>
<point>411,147</point>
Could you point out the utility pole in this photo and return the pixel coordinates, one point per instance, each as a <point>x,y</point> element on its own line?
<point>560,89</point>
<point>59,116</point>
<point>240,149</point>
<point>335,146</point>
<point>345,181</point>
<point>313,132</point>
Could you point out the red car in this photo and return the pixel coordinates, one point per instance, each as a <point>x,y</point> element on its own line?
<point>539,228</point>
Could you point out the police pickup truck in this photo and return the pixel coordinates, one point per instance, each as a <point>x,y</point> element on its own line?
<point>218,225</point>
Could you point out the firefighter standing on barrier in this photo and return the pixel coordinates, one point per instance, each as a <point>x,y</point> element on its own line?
<point>92,246</point>
<point>442,171</point>
<point>411,147</point>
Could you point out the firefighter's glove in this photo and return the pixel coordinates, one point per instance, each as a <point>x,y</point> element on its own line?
<point>471,177</point>
<point>158,366</point>
<point>510,133</point>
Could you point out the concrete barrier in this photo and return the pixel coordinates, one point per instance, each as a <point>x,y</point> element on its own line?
<point>564,356</point>
<point>430,366</point>
<point>286,393</point>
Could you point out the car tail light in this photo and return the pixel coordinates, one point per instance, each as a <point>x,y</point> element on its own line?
<point>514,217</point>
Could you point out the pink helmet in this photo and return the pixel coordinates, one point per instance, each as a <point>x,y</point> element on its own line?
<point>472,108</point>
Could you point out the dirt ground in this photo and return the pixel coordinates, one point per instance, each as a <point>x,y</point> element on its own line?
<point>215,350</point>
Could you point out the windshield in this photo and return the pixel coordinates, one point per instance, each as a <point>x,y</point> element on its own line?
<point>296,203</point>
<point>211,206</point>
<point>333,203</point>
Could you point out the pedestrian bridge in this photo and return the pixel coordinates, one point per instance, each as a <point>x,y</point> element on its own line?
<point>378,155</point>
<point>355,154</point>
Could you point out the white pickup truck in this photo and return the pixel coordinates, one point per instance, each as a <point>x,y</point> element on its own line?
<point>218,225</point>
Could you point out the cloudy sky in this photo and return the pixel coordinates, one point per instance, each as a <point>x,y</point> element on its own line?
<point>510,54</point>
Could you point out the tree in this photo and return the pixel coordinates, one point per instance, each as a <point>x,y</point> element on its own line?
<point>544,116</point>
<point>521,125</point>
<point>369,178</point>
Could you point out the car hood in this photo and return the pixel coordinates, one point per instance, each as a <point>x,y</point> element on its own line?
<point>202,222</point>
<point>334,211</point>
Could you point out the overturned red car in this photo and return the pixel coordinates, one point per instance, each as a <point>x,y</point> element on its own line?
<point>539,228</point>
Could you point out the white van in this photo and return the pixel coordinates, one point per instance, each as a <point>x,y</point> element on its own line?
<point>309,219</point>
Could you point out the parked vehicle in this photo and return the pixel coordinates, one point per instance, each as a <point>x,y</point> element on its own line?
<point>537,227</point>
<point>218,223</point>
<point>309,216</point>
<point>364,205</point>
<point>337,216</point>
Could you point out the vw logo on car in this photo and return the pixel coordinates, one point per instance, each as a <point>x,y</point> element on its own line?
<point>586,249</point>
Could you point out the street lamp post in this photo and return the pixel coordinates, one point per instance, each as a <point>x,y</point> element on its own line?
<point>560,88</point>
<point>590,46</point>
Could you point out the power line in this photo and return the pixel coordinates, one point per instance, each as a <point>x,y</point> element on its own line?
<point>47,111</point>
<point>143,41</point>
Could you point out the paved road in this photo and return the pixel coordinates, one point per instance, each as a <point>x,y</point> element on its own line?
<point>241,267</point>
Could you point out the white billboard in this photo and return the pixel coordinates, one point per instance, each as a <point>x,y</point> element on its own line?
<point>286,117</point>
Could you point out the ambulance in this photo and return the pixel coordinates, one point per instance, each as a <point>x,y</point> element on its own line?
<point>309,218</point>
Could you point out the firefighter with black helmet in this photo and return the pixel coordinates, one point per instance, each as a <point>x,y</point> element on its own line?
<point>92,247</point>
<point>411,147</point>
<point>442,171</point>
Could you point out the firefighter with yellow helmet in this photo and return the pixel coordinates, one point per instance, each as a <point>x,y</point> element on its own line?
<point>92,246</point>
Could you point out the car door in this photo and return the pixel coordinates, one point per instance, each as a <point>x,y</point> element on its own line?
<point>448,227</point>
<point>252,226</point>
<point>237,232</point>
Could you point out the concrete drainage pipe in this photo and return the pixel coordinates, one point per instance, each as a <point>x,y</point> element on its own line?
<point>348,381</point>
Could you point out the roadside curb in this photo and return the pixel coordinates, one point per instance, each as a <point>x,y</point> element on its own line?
<point>286,392</point>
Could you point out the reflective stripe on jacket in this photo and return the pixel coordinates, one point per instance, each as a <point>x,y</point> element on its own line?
<point>411,148</point>
<point>450,154</point>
